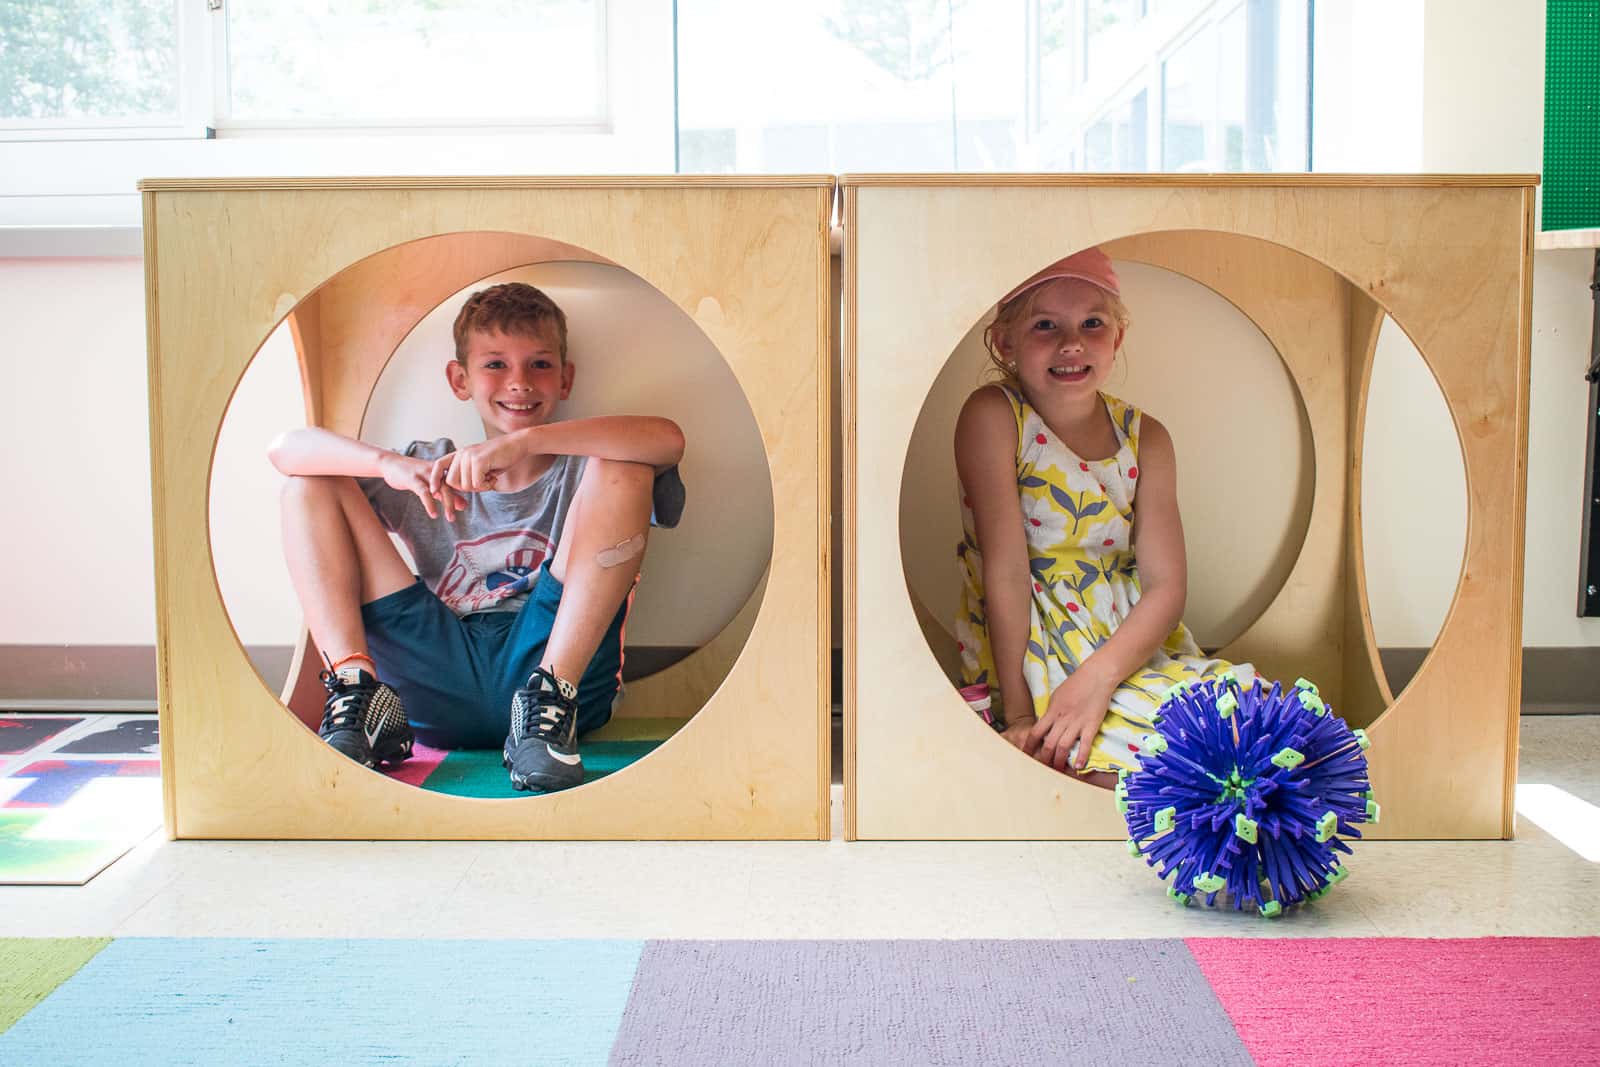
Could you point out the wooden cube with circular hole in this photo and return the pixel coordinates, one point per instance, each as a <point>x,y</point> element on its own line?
<point>352,265</point>
<point>1315,262</point>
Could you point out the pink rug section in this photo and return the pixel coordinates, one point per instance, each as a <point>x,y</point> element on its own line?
<point>423,762</point>
<point>1497,1000</point>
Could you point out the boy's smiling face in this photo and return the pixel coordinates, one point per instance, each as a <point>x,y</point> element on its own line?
<point>514,380</point>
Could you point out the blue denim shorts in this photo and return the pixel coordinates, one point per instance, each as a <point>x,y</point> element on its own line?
<point>456,674</point>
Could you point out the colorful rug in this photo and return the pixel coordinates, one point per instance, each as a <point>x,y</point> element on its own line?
<point>479,773</point>
<point>1308,1002</point>
<point>76,792</point>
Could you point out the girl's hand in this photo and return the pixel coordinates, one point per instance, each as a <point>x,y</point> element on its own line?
<point>478,467</point>
<point>1077,708</point>
<point>409,475</point>
<point>1017,732</point>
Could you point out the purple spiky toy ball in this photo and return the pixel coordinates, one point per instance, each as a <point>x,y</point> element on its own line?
<point>1247,791</point>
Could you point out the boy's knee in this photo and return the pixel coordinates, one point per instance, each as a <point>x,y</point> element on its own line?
<point>305,490</point>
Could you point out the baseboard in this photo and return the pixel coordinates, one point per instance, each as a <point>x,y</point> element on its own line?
<point>1555,681</point>
<point>123,677</point>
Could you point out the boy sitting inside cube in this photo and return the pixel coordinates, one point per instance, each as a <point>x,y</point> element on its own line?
<point>527,547</point>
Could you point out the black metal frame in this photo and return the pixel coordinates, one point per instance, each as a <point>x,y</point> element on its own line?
<point>1589,558</point>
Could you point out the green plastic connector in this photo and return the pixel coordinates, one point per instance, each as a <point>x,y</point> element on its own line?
<point>1229,678</point>
<point>1372,811</point>
<point>1133,847</point>
<point>1289,759</point>
<point>1370,794</point>
<point>1339,874</point>
<point>1327,826</point>
<point>1244,828</point>
<point>1164,819</point>
<point>1313,703</point>
<point>1154,744</point>
<point>1227,704</point>
<point>1318,894</point>
<point>1307,687</point>
<point>1361,739</point>
<point>1271,909</point>
<point>1178,688</point>
<point>1209,883</point>
<point>1182,899</point>
<point>1122,805</point>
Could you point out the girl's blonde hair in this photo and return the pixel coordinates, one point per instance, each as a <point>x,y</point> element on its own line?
<point>1007,315</point>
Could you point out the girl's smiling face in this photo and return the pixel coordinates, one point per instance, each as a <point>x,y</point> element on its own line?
<point>1066,343</point>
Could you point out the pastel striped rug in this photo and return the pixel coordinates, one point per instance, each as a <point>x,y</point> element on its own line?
<point>1215,1002</point>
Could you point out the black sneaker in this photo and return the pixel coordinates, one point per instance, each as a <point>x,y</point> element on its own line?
<point>542,748</point>
<point>363,718</point>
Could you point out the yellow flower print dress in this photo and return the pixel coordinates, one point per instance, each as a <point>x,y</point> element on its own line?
<point>1078,518</point>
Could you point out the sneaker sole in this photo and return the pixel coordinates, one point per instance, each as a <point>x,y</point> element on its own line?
<point>536,782</point>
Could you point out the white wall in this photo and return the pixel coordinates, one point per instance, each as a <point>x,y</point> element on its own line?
<point>77,446</point>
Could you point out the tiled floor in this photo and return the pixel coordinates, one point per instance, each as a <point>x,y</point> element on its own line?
<point>1535,885</point>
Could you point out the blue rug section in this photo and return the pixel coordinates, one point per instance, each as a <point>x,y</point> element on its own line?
<point>226,1001</point>
<point>926,1002</point>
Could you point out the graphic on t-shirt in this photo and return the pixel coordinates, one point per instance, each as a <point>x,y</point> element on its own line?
<point>485,571</point>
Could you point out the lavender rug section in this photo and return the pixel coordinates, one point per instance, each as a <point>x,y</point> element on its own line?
<point>925,1002</point>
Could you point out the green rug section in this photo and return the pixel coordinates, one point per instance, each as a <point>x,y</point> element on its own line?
<point>1571,115</point>
<point>478,773</point>
<point>32,967</point>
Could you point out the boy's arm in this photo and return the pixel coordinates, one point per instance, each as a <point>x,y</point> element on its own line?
<point>312,450</point>
<point>626,438</point>
<point>629,438</point>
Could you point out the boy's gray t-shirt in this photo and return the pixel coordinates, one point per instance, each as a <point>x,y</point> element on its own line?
<point>489,557</point>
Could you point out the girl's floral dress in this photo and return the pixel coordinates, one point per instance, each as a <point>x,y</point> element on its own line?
<point>1077,515</point>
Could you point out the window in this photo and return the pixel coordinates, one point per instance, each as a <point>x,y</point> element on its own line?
<point>384,62</point>
<point>82,63</point>
<point>349,87</point>
<point>1233,94</point>
<point>976,85</point>
<point>839,85</point>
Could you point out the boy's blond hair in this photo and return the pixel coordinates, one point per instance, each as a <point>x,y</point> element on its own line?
<point>1008,315</point>
<point>510,308</point>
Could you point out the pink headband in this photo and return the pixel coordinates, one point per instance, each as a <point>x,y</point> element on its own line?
<point>1090,265</point>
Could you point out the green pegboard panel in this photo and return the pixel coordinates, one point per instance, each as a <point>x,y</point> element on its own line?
<point>1571,115</point>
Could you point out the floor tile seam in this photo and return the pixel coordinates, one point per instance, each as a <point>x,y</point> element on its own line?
<point>146,899</point>
<point>1056,920</point>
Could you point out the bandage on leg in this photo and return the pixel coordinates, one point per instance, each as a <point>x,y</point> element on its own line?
<point>621,552</point>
